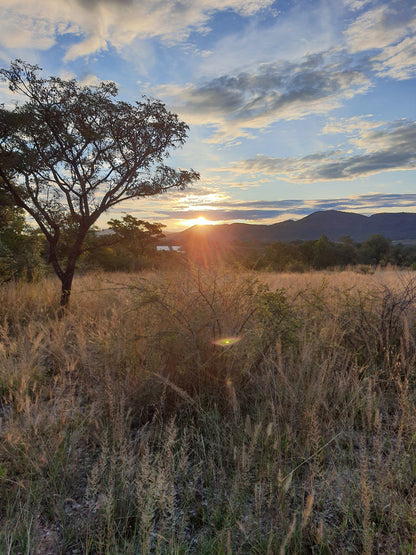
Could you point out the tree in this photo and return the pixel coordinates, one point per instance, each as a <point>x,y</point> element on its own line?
<point>12,223</point>
<point>324,253</point>
<point>346,250</point>
<point>69,153</point>
<point>280,256</point>
<point>20,247</point>
<point>375,250</point>
<point>136,235</point>
<point>12,219</point>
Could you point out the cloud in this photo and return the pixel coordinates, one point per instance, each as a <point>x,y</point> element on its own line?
<point>17,31</point>
<point>91,4</point>
<point>100,23</point>
<point>356,4</point>
<point>234,104</point>
<point>216,205</point>
<point>289,36</point>
<point>381,26</point>
<point>391,29</point>
<point>397,61</point>
<point>382,147</point>
<point>278,210</point>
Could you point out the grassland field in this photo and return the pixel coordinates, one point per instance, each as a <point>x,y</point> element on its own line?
<point>209,412</point>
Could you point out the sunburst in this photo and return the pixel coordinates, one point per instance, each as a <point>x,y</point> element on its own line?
<point>197,221</point>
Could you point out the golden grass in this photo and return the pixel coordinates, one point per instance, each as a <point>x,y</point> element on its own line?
<point>128,426</point>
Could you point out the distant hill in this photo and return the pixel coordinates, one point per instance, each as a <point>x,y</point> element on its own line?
<point>333,223</point>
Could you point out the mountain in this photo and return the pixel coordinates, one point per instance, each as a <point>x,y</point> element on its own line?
<point>332,223</point>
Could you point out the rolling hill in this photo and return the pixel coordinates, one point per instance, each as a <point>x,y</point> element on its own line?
<point>333,223</point>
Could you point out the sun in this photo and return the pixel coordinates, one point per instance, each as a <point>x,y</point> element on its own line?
<point>198,221</point>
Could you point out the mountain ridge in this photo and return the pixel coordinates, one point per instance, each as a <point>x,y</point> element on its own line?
<point>397,226</point>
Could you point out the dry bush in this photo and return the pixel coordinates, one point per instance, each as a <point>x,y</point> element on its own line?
<point>128,426</point>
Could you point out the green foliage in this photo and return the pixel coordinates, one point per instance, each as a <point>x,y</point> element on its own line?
<point>322,253</point>
<point>106,258</point>
<point>402,256</point>
<point>130,247</point>
<point>280,256</point>
<point>20,246</point>
<point>276,321</point>
<point>136,237</point>
<point>375,250</point>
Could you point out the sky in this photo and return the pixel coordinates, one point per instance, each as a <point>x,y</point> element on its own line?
<point>293,106</point>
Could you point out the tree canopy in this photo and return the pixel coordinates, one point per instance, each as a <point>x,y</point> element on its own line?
<point>69,153</point>
<point>137,235</point>
<point>20,246</point>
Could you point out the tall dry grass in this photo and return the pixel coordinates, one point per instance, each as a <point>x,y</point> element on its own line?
<point>128,426</point>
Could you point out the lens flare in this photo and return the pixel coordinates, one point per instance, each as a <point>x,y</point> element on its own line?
<point>225,341</point>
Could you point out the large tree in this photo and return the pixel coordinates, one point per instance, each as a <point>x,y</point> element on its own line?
<point>69,153</point>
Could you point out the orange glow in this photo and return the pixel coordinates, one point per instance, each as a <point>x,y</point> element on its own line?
<point>197,221</point>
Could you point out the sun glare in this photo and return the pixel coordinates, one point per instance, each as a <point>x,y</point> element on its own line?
<point>197,221</point>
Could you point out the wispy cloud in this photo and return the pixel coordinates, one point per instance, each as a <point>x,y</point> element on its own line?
<point>278,210</point>
<point>382,147</point>
<point>18,31</point>
<point>233,76</point>
<point>397,61</point>
<point>390,29</point>
<point>236,104</point>
<point>381,26</point>
<point>381,42</point>
<point>242,49</point>
<point>356,4</point>
<point>99,23</point>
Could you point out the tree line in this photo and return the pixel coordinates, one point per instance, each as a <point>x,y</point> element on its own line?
<point>129,245</point>
<point>322,253</point>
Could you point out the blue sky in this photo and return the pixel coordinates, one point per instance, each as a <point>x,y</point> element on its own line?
<point>293,106</point>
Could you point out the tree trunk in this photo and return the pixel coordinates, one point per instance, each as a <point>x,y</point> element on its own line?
<point>68,275</point>
<point>66,289</point>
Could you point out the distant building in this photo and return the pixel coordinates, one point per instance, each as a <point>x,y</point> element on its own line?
<point>171,248</point>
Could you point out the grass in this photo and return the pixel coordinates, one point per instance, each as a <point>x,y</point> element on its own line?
<point>130,426</point>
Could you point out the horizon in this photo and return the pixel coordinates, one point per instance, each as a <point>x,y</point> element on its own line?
<point>293,107</point>
<point>294,219</point>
